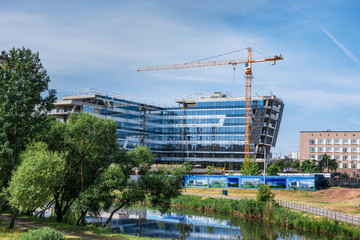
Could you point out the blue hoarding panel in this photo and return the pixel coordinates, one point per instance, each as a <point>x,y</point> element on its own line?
<point>251,182</point>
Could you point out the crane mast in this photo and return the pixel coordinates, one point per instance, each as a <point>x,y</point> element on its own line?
<point>248,76</point>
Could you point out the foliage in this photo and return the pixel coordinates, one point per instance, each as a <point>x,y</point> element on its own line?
<point>24,100</point>
<point>309,167</point>
<point>264,194</point>
<point>31,184</point>
<point>269,212</point>
<point>296,164</point>
<point>89,146</point>
<point>273,170</point>
<point>210,170</point>
<point>249,168</point>
<point>45,233</point>
<point>325,162</point>
<point>162,186</point>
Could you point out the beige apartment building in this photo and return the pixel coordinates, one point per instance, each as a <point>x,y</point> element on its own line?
<point>343,146</point>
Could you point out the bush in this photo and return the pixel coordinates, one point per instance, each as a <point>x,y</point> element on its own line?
<point>264,194</point>
<point>45,233</point>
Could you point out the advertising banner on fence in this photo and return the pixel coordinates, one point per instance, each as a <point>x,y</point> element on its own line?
<point>275,182</point>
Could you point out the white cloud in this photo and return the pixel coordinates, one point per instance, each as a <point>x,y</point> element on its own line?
<point>346,51</point>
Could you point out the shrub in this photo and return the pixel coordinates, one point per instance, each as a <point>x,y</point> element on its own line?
<point>45,233</point>
<point>264,194</point>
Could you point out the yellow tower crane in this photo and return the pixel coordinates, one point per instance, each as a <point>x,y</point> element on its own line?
<point>248,76</point>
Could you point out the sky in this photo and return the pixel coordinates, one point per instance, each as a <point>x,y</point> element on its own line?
<point>100,44</point>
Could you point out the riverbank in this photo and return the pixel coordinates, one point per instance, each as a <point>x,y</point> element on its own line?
<point>23,223</point>
<point>271,212</point>
<point>345,200</point>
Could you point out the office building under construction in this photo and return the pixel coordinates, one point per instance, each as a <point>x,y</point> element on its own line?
<point>204,130</point>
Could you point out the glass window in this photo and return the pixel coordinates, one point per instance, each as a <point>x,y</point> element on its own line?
<point>345,165</point>
<point>320,141</point>
<point>337,149</point>
<point>353,165</point>
<point>336,141</point>
<point>312,157</point>
<point>312,141</point>
<point>353,157</point>
<point>328,141</point>
<point>353,141</point>
<point>337,157</point>
<point>345,157</point>
<point>328,149</point>
<point>345,141</point>
<point>345,149</point>
<point>312,149</point>
<point>353,149</point>
<point>320,149</point>
<point>320,157</point>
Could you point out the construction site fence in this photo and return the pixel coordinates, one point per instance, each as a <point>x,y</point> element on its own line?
<point>342,217</point>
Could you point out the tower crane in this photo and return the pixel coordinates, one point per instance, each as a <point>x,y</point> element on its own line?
<point>248,76</point>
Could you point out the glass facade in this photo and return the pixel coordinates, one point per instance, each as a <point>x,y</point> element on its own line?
<point>204,130</point>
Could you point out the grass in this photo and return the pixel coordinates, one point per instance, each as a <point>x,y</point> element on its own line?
<point>311,198</point>
<point>69,231</point>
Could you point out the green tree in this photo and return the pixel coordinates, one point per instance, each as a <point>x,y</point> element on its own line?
<point>249,168</point>
<point>31,184</point>
<point>333,165</point>
<point>157,187</point>
<point>264,194</point>
<point>24,100</point>
<point>210,170</point>
<point>273,170</point>
<point>296,164</point>
<point>89,146</point>
<point>309,167</point>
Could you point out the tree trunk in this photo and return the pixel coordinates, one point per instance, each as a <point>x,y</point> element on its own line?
<point>12,220</point>
<point>81,220</point>
<point>112,214</point>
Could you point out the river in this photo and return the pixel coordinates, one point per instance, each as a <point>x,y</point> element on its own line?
<point>191,225</point>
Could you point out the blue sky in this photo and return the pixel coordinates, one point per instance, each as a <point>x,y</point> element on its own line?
<point>100,44</point>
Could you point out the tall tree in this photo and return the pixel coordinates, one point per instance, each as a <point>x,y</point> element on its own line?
<point>89,146</point>
<point>24,100</point>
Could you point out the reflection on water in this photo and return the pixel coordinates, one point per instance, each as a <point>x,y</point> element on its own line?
<point>187,225</point>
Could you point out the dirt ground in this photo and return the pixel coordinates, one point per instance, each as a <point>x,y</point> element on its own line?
<point>345,200</point>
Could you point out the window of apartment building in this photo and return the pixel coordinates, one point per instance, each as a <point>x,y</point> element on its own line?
<point>337,157</point>
<point>329,149</point>
<point>312,157</point>
<point>320,141</point>
<point>312,141</point>
<point>336,141</point>
<point>312,149</point>
<point>353,141</point>
<point>328,141</point>
<point>320,149</point>
<point>345,157</point>
<point>353,149</point>
<point>320,157</point>
<point>345,141</point>
<point>344,149</point>
<point>353,157</point>
<point>337,149</point>
<point>353,165</point>
<point>345,165</point>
